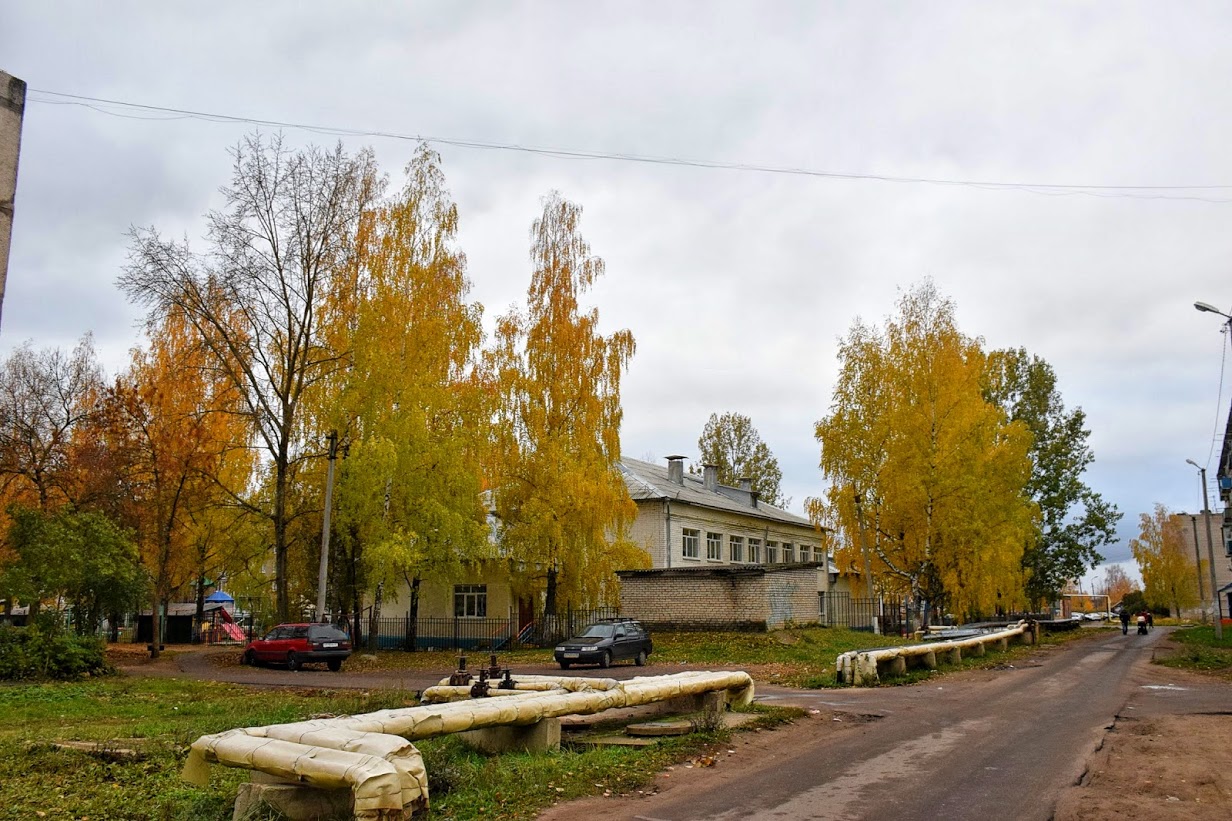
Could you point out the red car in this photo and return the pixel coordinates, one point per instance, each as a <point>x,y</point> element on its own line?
<point>298,644</point>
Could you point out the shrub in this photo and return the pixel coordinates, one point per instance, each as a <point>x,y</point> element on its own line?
<point>39,653</point>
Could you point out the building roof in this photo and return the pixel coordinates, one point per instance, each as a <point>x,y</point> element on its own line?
<point>647,481</point>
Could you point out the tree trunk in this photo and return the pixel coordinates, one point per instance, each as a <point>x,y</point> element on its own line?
<point>280,540</point>
<point>199,616</point>
<point>549,606</point>
<point>412,626</point>
<point>156,626</point>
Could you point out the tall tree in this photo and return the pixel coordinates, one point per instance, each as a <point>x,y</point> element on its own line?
<point>1168,571</point>
<point>44,397</point>
<point>926,476</point>
<point>410,403</point>
<point>1075,521</point>
<point>731,443</point>
<point>288,230</point>
<point>562,504</point>
<point>179,424</point>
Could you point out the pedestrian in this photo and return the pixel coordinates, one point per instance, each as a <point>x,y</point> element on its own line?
<point>1124,621</point>
<point>1150,620</point>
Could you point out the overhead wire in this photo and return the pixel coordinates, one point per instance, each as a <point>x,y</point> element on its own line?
<point>1148,192</point>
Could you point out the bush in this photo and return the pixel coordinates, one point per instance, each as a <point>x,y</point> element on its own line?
<point>38,653</point>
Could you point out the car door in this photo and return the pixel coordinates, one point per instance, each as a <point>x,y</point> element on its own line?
<point>271,647</point>
<point>623,642</point>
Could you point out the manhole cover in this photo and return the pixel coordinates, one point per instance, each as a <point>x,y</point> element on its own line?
<point>654,728</point>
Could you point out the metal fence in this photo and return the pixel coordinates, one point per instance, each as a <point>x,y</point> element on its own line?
<point>887,616</point>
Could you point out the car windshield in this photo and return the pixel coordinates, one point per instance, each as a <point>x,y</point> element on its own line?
<point>598,631</point>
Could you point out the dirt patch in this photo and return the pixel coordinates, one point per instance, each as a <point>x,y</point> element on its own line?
<point>1157,769</point>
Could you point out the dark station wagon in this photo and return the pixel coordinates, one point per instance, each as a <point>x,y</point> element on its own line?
<point>297,644</point>
<point>605,641</point>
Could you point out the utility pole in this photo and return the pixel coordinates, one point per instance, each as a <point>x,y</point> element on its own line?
<point>323,570</point>
<point>1197,559</point>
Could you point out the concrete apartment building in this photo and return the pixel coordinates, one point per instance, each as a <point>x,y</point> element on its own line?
<point>1193,528</point>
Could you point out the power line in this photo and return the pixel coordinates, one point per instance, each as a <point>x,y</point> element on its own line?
<point>1150,192</point>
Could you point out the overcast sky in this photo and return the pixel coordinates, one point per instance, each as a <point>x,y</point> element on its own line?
<point>736,284</point>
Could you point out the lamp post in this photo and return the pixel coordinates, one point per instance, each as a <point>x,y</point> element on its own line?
<point>1206,307</point>
<point>1210,552</point>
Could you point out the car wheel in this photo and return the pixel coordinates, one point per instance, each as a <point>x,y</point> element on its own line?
<point>640,661</point>
<point>606,661</point>
<point>293,662</point>
<point>248,659</point>
<point>334,665</point>
<point>564,665</point>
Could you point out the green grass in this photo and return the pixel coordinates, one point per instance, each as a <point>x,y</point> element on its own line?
<point>166,715</point>
<point>1200,651</point>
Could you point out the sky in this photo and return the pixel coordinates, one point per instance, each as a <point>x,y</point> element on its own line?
<point>1058,169</point>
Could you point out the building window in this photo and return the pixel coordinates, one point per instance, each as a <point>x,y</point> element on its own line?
<point>714,546</point>
<point>789,553</point>
<point>806,554</point>
<point>690,540</point>
<point>470,601</point>
<point>735,548</point>
<point>772,552</point>
<point>755,551</point>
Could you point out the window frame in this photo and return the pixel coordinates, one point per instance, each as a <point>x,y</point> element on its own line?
<point>714,546</point>
<point>735,549</point>
<point>754,550</point>
<point>694,535</point>
<point>468,597</point>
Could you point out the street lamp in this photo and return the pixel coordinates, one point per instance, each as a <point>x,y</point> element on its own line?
<point>1210,552</point>
<point>1224,467</point>
<point>1207,307</point>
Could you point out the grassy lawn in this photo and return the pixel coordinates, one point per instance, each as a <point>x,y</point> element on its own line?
<point>1200,651</point>
<point>161,717</point>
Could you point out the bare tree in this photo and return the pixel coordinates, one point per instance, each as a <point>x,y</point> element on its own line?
<point>281,245</point>
<point>44,396</point>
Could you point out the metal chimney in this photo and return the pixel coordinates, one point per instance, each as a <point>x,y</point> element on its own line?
<point>675,469</point>
<point>710,477</point>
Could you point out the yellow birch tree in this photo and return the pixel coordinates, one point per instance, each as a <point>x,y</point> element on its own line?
<point>411,404</point>
<point>1168,571</point>
<point>562,504</point>
<point>926,476</point>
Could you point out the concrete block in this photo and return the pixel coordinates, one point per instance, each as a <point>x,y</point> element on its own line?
<point>955,655</point>
<point>539,737</point>
<point>929,659</point>
<point>294,802</point>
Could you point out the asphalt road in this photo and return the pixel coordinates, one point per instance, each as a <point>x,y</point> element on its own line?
<point>999,744</point>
